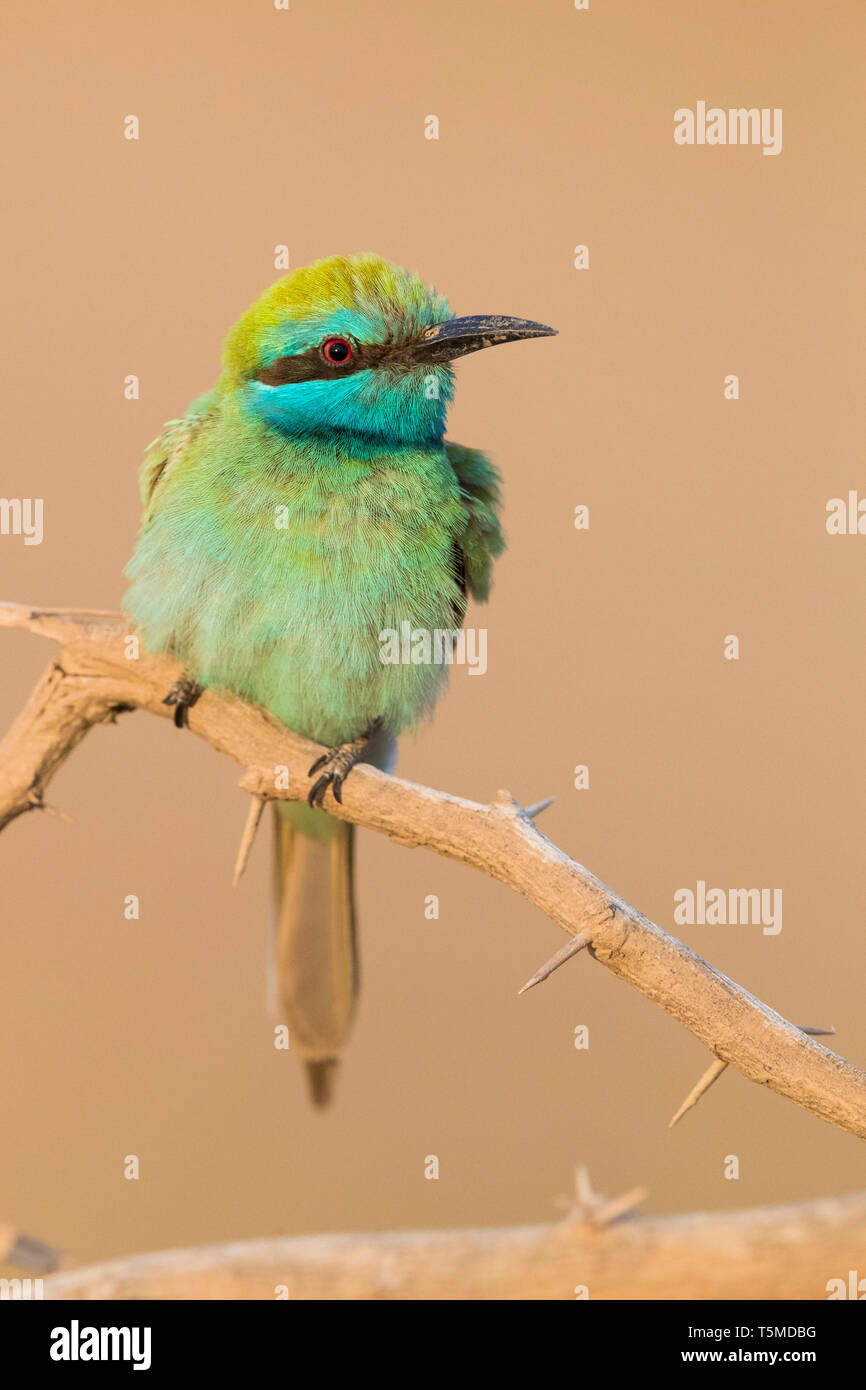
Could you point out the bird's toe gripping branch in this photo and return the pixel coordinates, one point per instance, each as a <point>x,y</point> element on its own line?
<point>183,695</point>
<point>336,764</point>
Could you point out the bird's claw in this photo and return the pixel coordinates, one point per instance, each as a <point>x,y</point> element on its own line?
<point>338,763</point>
<point>316,794</point>
<point>183,695</point>
<point>335,766</point>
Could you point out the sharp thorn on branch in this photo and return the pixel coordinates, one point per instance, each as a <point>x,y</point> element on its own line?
<point>38,804</point>
<point>584,1192</point>
<point>564,953</point>
<point>589,1208</point>
<point>712,1073</point>
<point>619,1206</point>
<point>537,807</point>
<point>254,816</point>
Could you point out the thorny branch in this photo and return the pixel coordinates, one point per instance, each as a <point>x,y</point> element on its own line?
<point>97,676</point>
<point>792,1252</point>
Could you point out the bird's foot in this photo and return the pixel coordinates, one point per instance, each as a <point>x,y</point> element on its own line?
<point>336,764</point>
<point>183,695</point>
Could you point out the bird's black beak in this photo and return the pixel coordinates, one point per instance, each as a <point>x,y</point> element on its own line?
<point>456,337</point>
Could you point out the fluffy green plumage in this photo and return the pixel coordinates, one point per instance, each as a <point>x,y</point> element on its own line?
<point>269,562</point>
<point>287,525</point>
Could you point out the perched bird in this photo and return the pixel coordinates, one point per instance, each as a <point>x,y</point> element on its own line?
<point>300,509</point>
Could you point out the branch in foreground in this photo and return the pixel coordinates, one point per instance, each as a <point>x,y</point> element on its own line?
<point>94,680</point>
<point>769,1253</point>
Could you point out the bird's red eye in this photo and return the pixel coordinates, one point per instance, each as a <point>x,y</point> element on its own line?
<point>337,351</point>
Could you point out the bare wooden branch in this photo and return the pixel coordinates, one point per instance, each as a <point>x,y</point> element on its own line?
<point>98,675</point>
<point>789,1252</point>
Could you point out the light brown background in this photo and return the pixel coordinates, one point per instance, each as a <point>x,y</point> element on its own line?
<point>260,127</point>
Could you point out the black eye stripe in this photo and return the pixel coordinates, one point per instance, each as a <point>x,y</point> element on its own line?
<point>313,365</point>
<point>303,367</point>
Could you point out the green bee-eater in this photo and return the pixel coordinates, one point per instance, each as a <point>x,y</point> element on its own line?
<point>305,506</point>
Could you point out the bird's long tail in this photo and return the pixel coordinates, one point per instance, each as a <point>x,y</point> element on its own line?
<point>316,949</point>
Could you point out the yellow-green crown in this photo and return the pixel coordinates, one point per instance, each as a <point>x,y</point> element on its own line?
<point>391,300</point>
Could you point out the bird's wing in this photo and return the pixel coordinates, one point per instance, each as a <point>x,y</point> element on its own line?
<point>170,446</point>
<point>480,540</point>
